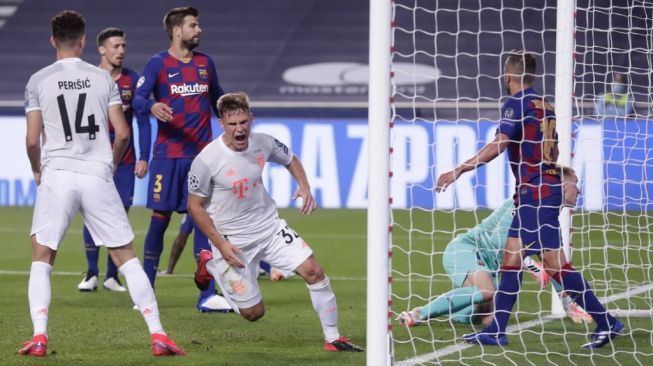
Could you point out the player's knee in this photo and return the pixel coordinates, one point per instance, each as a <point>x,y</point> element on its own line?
<point>162,215</point>
<point>512,260</point>
<point>253,315</point>
<point>311,271</point>
<point>315,276</point>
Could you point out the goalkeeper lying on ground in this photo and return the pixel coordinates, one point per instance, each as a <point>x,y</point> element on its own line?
<point>472,261</point>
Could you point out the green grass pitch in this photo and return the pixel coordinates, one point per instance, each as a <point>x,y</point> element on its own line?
<point>101,328</point>
<point>612,251</point>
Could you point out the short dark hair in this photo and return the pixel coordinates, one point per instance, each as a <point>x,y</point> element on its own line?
<point>68,27</point>
<point>523,64</point>
<point>107,33</point>
<point>175,18</point>
<point>233,102</point>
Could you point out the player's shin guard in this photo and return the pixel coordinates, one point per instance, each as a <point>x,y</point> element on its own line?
<point>142,294</point>
<point>92,252</point>
<point>576,287</point>
<point>324,303</point>
<point>452,301</point>
<point>154,245</point>
<point>505,298</point>
<point>39,294</point>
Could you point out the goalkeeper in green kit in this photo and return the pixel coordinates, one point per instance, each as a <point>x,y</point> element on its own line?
<point>472,261</point>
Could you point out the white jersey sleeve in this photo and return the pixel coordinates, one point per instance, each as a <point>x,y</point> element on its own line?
<point>199,179</point>
<point>73,97</point>
<point>279,152</point>
<point>114,95</point>
<point>31,96</point>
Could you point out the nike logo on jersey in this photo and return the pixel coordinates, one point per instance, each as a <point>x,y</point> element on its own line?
<point>173,75</point>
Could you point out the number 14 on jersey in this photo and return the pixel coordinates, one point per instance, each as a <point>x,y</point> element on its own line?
<point>91,128</point>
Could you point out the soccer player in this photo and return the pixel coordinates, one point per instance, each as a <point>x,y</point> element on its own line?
<point>68,106</point>
<point>112,46</point>
<point>472,262</point>
<point>229,203</point>
<point>527,131</point>
<point>185,87</point>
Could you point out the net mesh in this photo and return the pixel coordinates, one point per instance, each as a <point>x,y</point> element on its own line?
<point>447,63</point>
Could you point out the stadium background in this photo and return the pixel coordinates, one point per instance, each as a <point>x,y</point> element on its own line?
<point>304,63</point>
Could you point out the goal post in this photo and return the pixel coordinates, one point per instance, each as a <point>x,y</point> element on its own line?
<point>564,82</point>
<point>435,94</point>
<point>378,217</point>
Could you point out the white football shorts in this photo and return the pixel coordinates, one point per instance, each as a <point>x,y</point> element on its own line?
<point>62,193</point>
<point>285,250</point>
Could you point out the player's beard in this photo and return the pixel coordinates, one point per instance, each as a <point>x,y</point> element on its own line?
<point>191,44</point>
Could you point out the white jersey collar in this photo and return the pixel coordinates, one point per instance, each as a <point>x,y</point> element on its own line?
<point>69,59</point>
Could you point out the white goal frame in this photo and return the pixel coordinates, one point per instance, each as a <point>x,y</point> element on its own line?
<point>379,231</point>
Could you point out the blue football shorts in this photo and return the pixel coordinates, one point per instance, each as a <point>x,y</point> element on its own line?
<point>168,186</point>
<point>537,225</point>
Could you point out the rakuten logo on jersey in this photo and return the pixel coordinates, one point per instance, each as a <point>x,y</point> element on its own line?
<point>189,89</point>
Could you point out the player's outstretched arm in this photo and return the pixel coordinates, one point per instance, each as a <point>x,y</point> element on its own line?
<point>296,169</point>
<point>203,221</point>
<point>484,156</point>
<point>33,142</point>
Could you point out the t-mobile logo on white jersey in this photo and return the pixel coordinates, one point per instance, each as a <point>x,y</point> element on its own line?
<point>188,89</point>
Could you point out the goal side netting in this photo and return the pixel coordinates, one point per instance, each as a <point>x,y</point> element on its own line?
<point>446,90</point>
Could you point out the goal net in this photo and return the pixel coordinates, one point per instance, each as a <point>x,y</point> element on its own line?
<point>446,92</point>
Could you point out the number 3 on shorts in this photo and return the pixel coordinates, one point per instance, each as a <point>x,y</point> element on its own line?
<point>157,183</point>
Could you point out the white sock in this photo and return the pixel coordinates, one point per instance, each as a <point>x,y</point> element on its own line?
<point>39,294</point>
<point>324,303</point>
<point>142,294</point>
<point>566,302</point>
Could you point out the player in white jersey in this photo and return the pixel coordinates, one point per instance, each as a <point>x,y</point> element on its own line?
<point>67,107</point>
<point>229,203</point>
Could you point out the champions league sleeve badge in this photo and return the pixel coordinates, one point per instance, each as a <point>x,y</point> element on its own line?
<point>193,181</point>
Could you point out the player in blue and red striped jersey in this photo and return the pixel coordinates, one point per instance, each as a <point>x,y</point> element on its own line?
<point>527,130</point>
<point>185,88</point>
<point>112,46</point>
